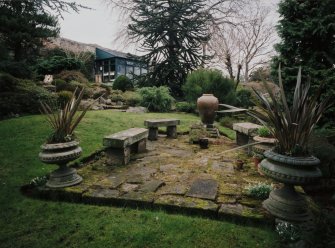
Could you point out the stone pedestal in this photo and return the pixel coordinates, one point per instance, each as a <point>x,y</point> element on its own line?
<point>153,133</point>
<point>63,177</point>
<point>117,156</point>
<point>171,132</point>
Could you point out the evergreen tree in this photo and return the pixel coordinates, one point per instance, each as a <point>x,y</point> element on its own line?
<point>24,26</point>
<point>171,33</point>
<point>307,32</point>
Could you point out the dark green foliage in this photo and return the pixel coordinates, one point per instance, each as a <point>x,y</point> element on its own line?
<point>17,69</point>
<point>228,121</point>
<point>123,83</point>
<point>69,76</point>
<point>56,64</point>
<point>132,98</point>
<point>307,34</point>
<point>24,26</point>
<point>8,82</point>
<point>60,84</point>
<point>263,132</point>
<point>243,98</point>
<point>187,107</point>
<point>24,98</point>
<point>171,34</point>
<point>156,99</point>
<point>259,191</point>
<point>64,96</point>
<point>116,96</point>
<point>209,81</point>
<point>323,150</point>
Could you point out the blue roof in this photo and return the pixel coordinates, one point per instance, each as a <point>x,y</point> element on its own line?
<point>108,53</point>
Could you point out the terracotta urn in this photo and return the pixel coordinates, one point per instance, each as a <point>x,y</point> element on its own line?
<point>207,105</point>
<point>60,154</point>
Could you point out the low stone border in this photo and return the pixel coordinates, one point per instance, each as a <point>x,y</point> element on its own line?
<point>170,204</point>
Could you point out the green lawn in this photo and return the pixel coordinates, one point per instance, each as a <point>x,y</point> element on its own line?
<point>27,222</point>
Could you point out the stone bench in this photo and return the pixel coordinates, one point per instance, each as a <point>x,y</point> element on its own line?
<point>170,124</point>
<point>245,132</point>
<point>120,145</point>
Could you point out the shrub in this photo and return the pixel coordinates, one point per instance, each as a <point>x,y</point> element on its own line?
<point>17,69</point>
<point>288,232</point>
<point>7,82</point>
<point>116,96</point>
<point>69,76</point>
<point>228,121</point>
<point>56,64</point>
<point>123,83</point>
<point>187,107</point>
<point>209,81</point>
<point>63,97</point>
<point>60,84</point>
<point>132,98</point>
<point>243,98</point>
<point>264,132</point>
<point>157,99</point>
<point>259,191</point>
<point>24,99</point>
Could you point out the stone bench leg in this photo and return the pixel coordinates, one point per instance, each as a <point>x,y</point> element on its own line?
<point>241,139</point>
<point>118,156</point>
<point>171,132</point>
<point>153,133</point>
<point>140,146</point>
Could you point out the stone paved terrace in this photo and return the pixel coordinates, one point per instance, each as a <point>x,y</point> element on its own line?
<point>172,175</point>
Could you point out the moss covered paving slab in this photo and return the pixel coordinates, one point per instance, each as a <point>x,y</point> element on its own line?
<point>172,175</point>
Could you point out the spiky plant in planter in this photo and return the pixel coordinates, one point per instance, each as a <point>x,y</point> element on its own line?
<point>61,146</point>
<point>290,162</point>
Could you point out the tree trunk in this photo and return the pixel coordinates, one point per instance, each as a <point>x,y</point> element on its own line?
<point>239,68</point>
<point>229,66</point>
<point>246,73</point>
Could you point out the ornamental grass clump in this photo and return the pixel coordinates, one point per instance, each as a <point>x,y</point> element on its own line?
<point>288,232</point>
<point>259,191</point>
<point>291,125</point>
<point>64,121</point>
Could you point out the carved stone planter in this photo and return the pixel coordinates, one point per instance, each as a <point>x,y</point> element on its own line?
<point>61,154</point>
<point>286,203</point>
<point>207,105</point>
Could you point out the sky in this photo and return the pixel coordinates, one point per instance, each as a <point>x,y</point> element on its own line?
<point>101,24</point>
<point>97,26</point>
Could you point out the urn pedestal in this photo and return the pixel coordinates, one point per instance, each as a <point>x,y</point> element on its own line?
<point>286,203</point>
<point>61,154</point>
<point>207,106</point>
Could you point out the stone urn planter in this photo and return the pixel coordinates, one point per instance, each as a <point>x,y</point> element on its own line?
<point>286,203</point>
<point>60,154</point>
<point>207,106</point>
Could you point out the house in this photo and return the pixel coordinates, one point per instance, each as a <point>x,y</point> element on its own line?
<point>109,64</point>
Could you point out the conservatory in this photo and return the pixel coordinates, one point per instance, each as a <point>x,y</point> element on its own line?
<point>110,64</point>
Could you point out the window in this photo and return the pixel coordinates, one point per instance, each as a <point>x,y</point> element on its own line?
<point>130,72</point>
<point>144,70</point>
<point>137,71</point>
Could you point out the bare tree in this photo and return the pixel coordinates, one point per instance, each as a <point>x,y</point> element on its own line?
<point>245,44</point>
<point>222,12</point>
